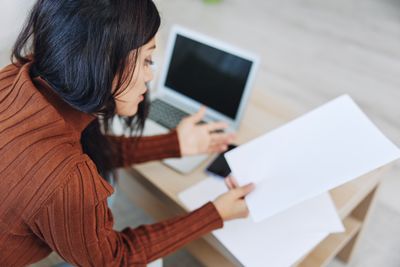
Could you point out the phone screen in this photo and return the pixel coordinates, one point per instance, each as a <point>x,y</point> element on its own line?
<point>219,167</point>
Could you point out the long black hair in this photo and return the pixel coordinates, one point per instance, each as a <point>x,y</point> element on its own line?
<point>80,47</point>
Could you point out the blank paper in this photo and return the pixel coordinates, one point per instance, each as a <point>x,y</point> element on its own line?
<point>308,156</point>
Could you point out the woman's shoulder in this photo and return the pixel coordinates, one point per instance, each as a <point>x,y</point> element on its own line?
<point>37,146</point>
<point>32,133</point>
<point>8,71</point>
<point>21,101</point>
<point>32,104</point>
<point>29,122</point>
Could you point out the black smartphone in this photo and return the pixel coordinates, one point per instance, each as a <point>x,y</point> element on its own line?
<point>219,167</point>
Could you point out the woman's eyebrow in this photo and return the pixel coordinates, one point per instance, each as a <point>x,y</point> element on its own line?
<point>152,47</point>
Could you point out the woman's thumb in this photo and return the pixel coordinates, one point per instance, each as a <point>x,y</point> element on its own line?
<point>198,116</point>
<point>244,190</point>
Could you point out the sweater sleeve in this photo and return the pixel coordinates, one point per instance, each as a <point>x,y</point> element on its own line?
<point>131,150</point>
<point>78,225</point>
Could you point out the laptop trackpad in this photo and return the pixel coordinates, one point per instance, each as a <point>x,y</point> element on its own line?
<point>186,164</point>
<point>153,128</point>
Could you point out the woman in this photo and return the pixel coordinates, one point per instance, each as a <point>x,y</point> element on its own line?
<point>78,63</point>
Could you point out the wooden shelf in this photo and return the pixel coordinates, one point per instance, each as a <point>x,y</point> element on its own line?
<point>349,195</point>
<point>332,245</point>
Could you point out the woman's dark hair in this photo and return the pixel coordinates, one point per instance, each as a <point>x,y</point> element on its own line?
<point>80,47</point>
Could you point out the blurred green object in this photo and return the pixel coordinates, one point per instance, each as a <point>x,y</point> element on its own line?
<point>212,1</point>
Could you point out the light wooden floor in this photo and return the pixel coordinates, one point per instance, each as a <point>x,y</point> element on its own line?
<point>311,52</point>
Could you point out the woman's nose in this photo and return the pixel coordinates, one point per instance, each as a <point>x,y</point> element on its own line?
<point>149,75</point>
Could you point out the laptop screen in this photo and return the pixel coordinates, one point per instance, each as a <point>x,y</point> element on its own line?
<point>208,75</point>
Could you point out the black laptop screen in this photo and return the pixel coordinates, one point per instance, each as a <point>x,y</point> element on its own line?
<point>208,75</point>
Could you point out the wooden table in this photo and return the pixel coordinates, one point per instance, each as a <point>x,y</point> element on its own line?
<point>155,188</point>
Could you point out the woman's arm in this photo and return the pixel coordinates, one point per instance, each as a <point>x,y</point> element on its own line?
<point>131,150</point>
<point>78,225</point>
<point>190,138</point>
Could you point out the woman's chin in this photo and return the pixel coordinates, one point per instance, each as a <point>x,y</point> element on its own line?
<point>128,112</point>
<point>133,111</point>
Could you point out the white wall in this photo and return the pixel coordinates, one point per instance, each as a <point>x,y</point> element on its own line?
<point>12,16</point>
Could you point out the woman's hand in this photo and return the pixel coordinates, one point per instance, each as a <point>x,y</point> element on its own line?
<point>197,138</point>
<point>231,182</point>
<point>231,205</point>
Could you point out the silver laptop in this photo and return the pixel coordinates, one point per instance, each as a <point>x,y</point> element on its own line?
<point>198,71</point>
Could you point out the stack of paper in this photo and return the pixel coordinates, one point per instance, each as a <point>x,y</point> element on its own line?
<point>293,167</point>
<point>279,241</point>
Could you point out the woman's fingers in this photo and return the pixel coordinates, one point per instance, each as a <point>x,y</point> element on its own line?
<point>240,191</point>
<point>222,139</point>
<point>243,191</point>
<point>233,181</point>
<point>230,182</point>
<point>217,148</point>
<point>231,204</point>
<point>214,126</point>
<point>198,116</point>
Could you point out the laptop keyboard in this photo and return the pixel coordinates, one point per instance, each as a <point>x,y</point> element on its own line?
<point>165,114</point>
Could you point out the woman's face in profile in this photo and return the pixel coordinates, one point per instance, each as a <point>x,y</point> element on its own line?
<point>133,89</point>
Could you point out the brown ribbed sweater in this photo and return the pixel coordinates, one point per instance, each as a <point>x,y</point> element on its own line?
<point>52,197</point>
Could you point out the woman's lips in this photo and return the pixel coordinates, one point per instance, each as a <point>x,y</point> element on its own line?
<point>141,96</point>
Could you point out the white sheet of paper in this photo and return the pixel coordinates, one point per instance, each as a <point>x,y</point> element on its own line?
<point>279,241</point>
<point>316,152</point>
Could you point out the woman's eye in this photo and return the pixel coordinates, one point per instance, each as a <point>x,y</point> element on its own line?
<point>148,62</point>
